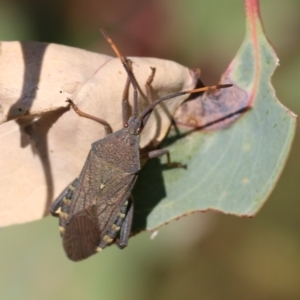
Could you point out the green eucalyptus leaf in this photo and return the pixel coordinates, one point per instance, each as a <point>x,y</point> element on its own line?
<point>232,170</point>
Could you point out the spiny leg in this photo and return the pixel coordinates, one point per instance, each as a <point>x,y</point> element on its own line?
<point>108,129</point>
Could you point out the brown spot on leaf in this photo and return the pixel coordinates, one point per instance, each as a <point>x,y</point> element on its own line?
<point>213,110</point>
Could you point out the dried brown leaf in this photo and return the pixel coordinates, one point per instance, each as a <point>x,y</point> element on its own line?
<point>44,144</point>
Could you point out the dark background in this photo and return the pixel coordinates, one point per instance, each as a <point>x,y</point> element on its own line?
<point>203,256</point>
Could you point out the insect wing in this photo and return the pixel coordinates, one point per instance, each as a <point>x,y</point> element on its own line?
<point>82,235</point>
<point>105,186</point>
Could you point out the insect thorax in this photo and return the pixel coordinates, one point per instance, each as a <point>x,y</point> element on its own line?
<point>120,149</point>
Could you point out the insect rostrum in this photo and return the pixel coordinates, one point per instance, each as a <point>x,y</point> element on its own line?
<point>96,209</point>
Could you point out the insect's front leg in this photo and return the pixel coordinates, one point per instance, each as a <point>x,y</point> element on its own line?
<point>107,127</point>
<point>59,201</point>
<point>125,96</point>
<point>160,152</point>
<point>148,87</point>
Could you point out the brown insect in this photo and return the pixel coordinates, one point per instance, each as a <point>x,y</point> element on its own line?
<point>96,209</point>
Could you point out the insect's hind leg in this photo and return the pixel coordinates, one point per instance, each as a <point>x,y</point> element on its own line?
<point>125,229</point>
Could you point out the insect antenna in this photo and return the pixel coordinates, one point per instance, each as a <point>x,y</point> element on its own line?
<point>134,83</point>
<point>149,109</point>
<point>127,69</point>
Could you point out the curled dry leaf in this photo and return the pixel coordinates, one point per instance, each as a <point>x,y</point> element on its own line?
<point>214,110</point>
<point>43,143</point>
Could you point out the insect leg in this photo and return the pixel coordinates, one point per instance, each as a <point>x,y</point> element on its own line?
<point>108,129</point>
<point>126,227</point>
<point>148,91</point>
<point>58,203</point>
<point>160,152</point>
<point>125,102</point>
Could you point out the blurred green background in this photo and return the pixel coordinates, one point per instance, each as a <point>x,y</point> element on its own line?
<point>202,256</point>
